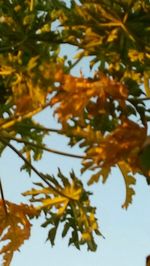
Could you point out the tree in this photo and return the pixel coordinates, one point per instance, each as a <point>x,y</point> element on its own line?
<point>147,260</point>
<point>106,115</point>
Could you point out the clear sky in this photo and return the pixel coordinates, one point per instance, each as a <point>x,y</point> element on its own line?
<point>127,233</point>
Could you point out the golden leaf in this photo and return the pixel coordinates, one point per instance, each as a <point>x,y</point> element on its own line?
<point>6,70</point>
<point>60,201</point>
<point>86,237</point>
<point>74,94</point>
<point>50,202</point>
<point>113,35</point>
<point>27,94</point>
<point>14,227</point>
<point>129,181</point>
<point>122,144</point>
<point>104,172</point>
<point>32,63</point>
<point>135,55</point>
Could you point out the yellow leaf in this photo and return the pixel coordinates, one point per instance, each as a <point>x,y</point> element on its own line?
<point>6,70</point>
<point>48,203</point>
<point>31,5</point>
<point>62,209</point>
<point>135,55</point>
<point>113,35</point>
<point>27,93</point>
<point>35,192</point>
<point>54,199</point>
<point>32,62</point>
<point>86,237</point>
<point>72,192</point>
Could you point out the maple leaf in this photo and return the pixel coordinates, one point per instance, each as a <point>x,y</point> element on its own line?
<point>14,227</point>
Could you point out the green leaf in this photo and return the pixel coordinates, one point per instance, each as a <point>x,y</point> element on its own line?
<point>51,235</point>
<point>66,229</point>
<point>144,158</point>
<point>129,180</point>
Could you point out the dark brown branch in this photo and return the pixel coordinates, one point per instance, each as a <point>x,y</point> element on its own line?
<point>148,261</point>
<point>2,196</point>
<point>145,99</point>
<point>53,130</point>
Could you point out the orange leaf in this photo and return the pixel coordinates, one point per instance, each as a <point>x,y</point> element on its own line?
<point>74,94</point>
<point>14,227</point>
<point>121,144</point>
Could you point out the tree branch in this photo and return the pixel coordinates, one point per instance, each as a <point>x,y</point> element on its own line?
<point>139,99</point>
<point>45,148</point>
<point>4,141</point>
<point>3,199</point>
<point>145,99</point>
<point>11,122</point>
<point>42,128</point>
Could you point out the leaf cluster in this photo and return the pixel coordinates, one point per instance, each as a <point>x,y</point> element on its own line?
<point>106,113</point>
<point>67,203</point>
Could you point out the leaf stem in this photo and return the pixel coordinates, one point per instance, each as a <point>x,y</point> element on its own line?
<point>144,99</point>
<point>46,129</point>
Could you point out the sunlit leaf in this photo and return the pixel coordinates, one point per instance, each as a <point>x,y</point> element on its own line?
<point>129,182</point>
<point>69,205</point>
<point>15,227</point>
<point>104,172</point>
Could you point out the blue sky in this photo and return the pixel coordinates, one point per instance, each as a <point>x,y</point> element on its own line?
<point>127,233</point>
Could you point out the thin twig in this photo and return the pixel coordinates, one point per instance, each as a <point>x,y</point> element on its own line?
<point>145,99</point>
<point>4,141</point>
<point>46,149</point>
<point>42,128</point>
<point>3,199</point>
<point>13,121</point>
<point>53,130</point>
<point>138,99</point>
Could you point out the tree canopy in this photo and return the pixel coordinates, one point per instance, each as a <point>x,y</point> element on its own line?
<point>105,114</point>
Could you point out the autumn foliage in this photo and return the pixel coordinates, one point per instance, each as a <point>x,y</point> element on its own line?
<point>105,114</point>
